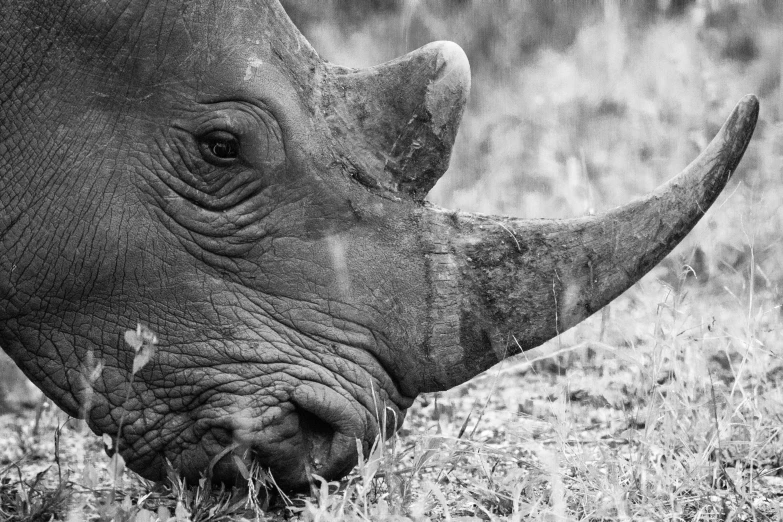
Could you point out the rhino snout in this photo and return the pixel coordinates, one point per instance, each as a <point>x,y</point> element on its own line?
<point>318,431</point>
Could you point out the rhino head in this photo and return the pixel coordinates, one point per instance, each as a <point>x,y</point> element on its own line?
<point>193,165</point>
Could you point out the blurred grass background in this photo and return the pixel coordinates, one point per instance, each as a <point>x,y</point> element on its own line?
<point>576,107</point>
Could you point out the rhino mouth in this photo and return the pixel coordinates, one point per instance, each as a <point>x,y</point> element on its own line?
<point>319,434</point>
<point>328,451</point>
<point>330,426</point>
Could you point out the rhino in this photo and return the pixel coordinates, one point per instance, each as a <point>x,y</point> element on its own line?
<point>196,167</point>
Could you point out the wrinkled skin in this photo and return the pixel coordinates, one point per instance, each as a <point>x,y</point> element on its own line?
<point>208,182</point>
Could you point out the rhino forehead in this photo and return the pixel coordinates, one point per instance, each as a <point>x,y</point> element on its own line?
<point>133,48</point>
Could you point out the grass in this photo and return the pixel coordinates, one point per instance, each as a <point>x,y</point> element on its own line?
<point>667,405</point>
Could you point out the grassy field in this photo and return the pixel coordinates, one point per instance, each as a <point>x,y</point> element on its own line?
<point>667,405</point>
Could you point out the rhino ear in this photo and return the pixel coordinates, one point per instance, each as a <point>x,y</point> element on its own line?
<point>400,118</point>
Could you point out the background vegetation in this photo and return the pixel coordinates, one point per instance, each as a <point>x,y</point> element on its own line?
<point>667,405</point>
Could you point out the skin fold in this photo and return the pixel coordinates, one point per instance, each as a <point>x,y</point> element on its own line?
<point>194,166</point>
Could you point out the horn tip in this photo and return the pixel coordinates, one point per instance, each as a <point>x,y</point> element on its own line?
<point>448,91</point>
<point>453,66</point>
<point>751,102</point>
<point>747,110</point>
<point>452,54</point>
<point>741,125</point>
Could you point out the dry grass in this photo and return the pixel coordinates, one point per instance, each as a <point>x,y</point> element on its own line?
<point>668,405</point>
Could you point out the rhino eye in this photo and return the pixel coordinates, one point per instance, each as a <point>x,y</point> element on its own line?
<point>219,147</point>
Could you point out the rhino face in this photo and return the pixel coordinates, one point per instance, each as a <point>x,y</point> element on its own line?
<point>194,166</point>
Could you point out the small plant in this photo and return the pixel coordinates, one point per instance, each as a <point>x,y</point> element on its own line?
<point>31,501</point>
<point>143,341</point>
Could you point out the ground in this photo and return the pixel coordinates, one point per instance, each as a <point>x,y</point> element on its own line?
<point>666,405</point>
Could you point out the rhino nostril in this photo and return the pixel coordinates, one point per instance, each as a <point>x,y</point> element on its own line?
<point>318,435</point>
<point>329,425</point>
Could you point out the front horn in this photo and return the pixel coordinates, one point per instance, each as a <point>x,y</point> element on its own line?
<point>502,285</point>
